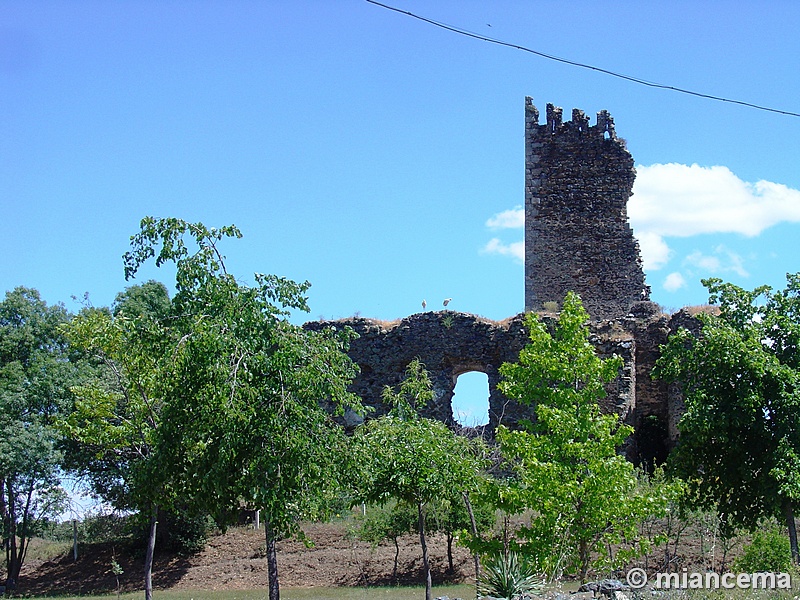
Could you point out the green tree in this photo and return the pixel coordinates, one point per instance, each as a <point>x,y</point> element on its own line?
<point>97,428</point>
<point>739,445</point>
<point>565,467</point>
<point>414,460</point>
<point>149,302</point>
<point>35,374</point>
<point>444,514</point>
<point>449,515</point>
<point>388,522</point>
<point>241,417</point>
<point>110,433</point>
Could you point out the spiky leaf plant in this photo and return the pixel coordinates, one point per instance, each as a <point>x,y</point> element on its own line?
<point>509,576</point>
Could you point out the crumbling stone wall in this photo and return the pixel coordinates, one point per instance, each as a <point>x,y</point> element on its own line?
<point>452,343</point>
<point>578,178</point>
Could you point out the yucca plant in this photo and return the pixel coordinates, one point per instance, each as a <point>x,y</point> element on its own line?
<point>508,576</point>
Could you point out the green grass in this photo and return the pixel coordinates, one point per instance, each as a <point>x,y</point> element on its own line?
<point>390,593</point>
<point>467,592</point>
<point>40,549</point>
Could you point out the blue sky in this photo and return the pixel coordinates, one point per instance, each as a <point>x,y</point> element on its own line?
<point>371,153</point>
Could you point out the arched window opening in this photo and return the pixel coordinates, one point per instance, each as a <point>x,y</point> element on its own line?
<point>471,399</point>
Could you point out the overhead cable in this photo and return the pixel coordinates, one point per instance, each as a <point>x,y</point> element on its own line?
<point>484,38</point>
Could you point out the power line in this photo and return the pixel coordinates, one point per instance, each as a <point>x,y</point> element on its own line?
<point>484,38</point>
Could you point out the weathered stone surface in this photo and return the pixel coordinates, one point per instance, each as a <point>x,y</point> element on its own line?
<point>448,343</point>
<point>451,343</point>
<point>578,179</point>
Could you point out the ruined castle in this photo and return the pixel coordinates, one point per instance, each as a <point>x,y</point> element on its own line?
<point>578,179</point>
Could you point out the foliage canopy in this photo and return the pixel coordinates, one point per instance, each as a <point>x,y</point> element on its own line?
<point>35,375</point>
<point>242,419</point>
<point>739,445</point>
<point>110,434</point>
<point>565,466</point>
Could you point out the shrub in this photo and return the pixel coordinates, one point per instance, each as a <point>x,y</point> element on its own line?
<point>94,527</point>
<point>104,527</point>
<point>550,306</point>
<point>178,531</point>
<point>768,551</point>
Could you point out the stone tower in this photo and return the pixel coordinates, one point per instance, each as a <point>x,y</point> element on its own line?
<point>578,179</point>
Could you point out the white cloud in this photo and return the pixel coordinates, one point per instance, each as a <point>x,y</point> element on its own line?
<point>723,260</point>
<point>514,249</point>
<point>704,262</point>
<point>655,252</point>
<point>674,200</point>
<point>674,282</point>
<point>681,201</point>
<point>508,219</point>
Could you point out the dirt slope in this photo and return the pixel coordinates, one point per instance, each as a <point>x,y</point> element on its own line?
<point>236,560</point>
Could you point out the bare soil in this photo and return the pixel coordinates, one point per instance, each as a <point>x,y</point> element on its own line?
<point>235,561</point>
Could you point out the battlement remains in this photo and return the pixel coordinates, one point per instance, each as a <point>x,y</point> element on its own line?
<point>579,124</point>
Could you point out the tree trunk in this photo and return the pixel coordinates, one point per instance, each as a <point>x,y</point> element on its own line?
<point>583,553</point>
<point>148,558</point>
<point>450,552</point>
<point>789,513</point>
<point>24,535</point>
<point>272,562</point>
<point>18,557</point>
<point>396,560</point>
<point>13,565</point>
<point>425,564</point>
<point>475,557</point>
<point>3,515</point>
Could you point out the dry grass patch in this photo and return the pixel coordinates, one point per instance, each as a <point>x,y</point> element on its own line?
<point>708,309</point>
